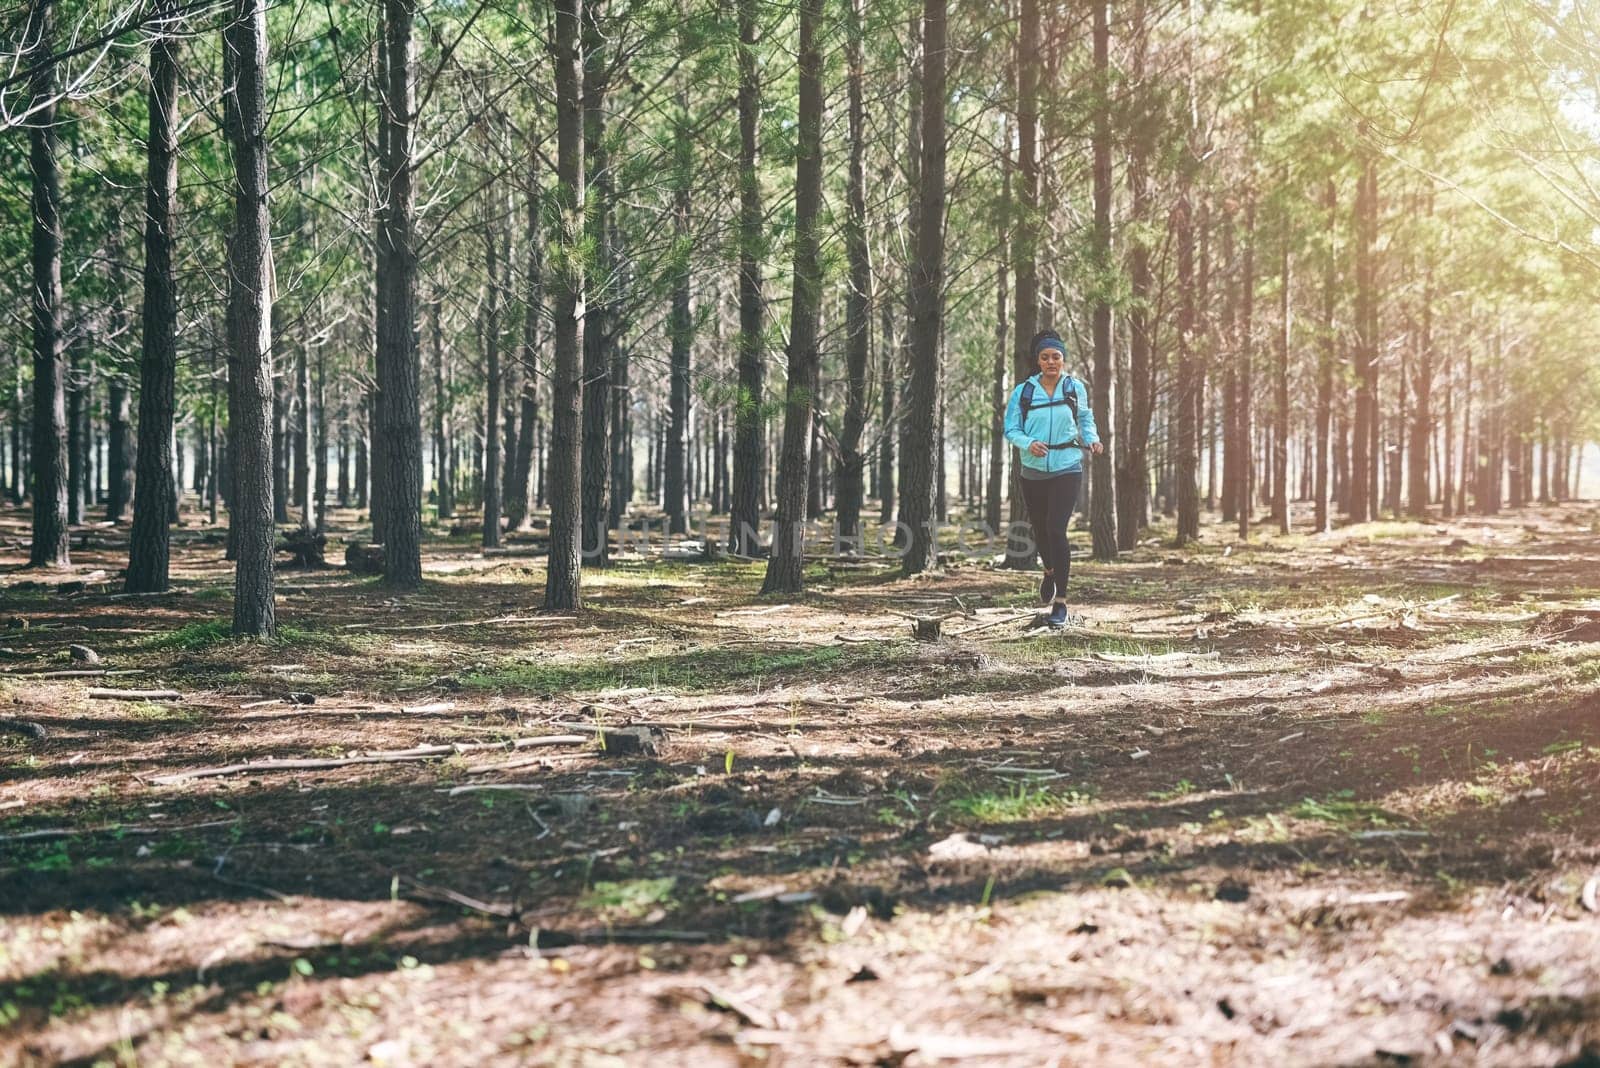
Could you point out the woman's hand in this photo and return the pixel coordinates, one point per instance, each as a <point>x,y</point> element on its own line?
<point>1097,448</point>
<point>1038,448</point>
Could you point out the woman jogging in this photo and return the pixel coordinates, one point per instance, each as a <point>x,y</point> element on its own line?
<point>1048,418</point>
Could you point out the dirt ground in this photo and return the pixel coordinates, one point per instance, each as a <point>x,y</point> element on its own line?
<point>1321,800</point>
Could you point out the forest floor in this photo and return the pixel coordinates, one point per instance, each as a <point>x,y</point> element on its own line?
<point>1314,800</point>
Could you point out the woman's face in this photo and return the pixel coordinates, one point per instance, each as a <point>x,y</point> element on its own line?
<point>1051,361</point>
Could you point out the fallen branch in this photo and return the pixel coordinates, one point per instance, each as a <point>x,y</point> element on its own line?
<point>992,623</point>
<point>1155,658</point>
<point>74,673</point>
<point>444,895</point>
<point>105,828</point>
<point>496,621</point>
<point>135,695</point>
<point>395,756</point>
<point>479,788</point>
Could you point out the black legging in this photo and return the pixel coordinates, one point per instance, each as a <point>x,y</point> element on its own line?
<point>1050,502</point>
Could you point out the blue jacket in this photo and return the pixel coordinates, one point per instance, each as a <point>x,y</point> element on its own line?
<point>1051,424</point>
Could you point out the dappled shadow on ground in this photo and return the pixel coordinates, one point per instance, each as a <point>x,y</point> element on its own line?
<point>1268,818</point>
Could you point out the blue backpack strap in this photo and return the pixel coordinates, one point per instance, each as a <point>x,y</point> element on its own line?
<point>1069,397</point>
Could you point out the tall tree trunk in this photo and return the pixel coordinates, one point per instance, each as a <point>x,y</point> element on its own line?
<point>1280,390</point>
<point>444,472</point>
<point>19,410</point>
<point>1187,428</point>
<point>858,299</point>
<point>282,409</point>
<point>73,389</point>
<point>302,436</point>
<point>927,303</point>
<point>397,433</point>
<point>492,388</point>
<point>913,170</point>
<point>597,383</point>
<point>749,460</point>
<point>1422,417</point>
<point>1025,247</point>
<point>1187,397</point>
<point>1102,512</point>
<point>250,285</point>
<point>119,449</point>
<point>682,320</point>
<point>1244,474</point>
<point>888,411</point>
<point>147,541</point>
<point>1361,460</point>
<point>621,492</point>
<point>1002,348</point>
<point>320,444</point>
<point>49,453</point>
<point>1326,348</point>
<point>519,486</point>
<point>565,570</point>
<point>785,565</point>
<point>1133,467</point>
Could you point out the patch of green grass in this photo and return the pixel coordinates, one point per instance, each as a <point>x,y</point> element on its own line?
<point>213,593</point>
<point>1587,670</point>
<point>698,670</point>
<point>192,637</point>
<point>1049,648</point>
<point>207,634</point>
<point>631,898</point>
<point>1183,789</point>
<point>1390,530</point>
<point>1341,808</point>
<point>155,712</point>
<point>1011,803</point>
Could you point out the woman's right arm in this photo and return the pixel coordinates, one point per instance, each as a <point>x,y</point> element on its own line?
<point>1014,429</point>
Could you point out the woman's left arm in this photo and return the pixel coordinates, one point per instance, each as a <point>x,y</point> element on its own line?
<point>1087,432</point>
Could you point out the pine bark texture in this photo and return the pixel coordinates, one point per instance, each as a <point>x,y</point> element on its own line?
<point>1102,510</point>
<point>250,321</point>
<point>1025,247</point>
<point>148,547</point>
<point>858,298</point>
<point>785,564</point>
<point>1362,459</point>
<point>681,324</point>
<point>493,382</point>
<point>563,585</point>
<point>927,305</point>
<point>519,481</point>
<point>749,453</point>
<point>597,341</point>
<point>397,437</point>
<point>49,452</point>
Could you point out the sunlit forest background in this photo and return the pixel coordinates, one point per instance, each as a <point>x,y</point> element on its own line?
<point>1315,261</point>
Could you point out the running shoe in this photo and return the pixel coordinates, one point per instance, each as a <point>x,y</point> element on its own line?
<point>1058,614</point>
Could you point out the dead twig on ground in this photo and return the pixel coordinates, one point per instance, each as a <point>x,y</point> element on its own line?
<point>421,752</point>
<point>492,622</point>
<point>49,833</point>
<point>420,891</point>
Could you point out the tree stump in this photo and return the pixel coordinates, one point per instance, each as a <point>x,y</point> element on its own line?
<point>362,558</point>
<point>927,630</point>
<point>308,547</point>
<point>632,741</point>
